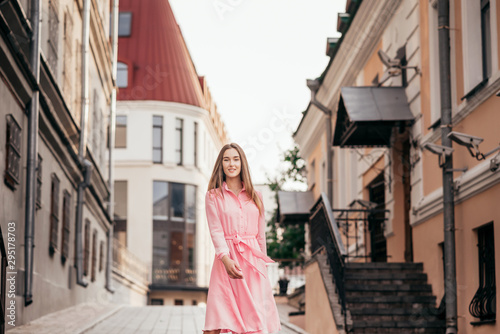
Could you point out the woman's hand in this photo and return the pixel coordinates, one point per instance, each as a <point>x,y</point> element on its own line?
<point>232,268</point>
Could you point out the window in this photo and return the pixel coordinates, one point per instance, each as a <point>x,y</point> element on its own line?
<point>13,153</point>
<point>66,226</point>
<point>195,148</point>
<point>486,37</point>
<point>174,235</point>
<point>97,129</point>
<point>94,255</point>
<point>483,304</point>
<point>101,256</point>
<point>156,301</point>
<point>120,214</point>
<point>121,132</point>
<point>124,24</point>
<point>190,203</point>
<point>476,43</point>
<point>68,56</point>
<point>178,140</point>
<point>157,139</point>
<point>121,75</point>
<point>86,248</point>
<point>54,217</point>
<point>178,201</point>
<point>53,35</point>
<point>39,183</point>
<point>434,66</point>
<point>160,200</point>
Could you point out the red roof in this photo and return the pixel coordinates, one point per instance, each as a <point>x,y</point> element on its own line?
<point>159,64</point>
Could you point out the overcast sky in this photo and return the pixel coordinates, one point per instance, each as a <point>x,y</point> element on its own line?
<point>256,56</point>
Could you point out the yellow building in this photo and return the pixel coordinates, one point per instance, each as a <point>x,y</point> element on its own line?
<point>382,88</point>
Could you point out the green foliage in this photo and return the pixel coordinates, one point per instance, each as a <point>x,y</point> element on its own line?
<point>291,244</point>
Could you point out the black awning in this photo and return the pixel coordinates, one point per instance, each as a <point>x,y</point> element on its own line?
<point>367,115</point>
<point>294,206</point>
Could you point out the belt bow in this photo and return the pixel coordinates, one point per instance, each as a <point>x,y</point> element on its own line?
<point>240,244</point>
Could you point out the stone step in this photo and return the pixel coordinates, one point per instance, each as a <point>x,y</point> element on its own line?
<point>385,265</point>
<point>397,331</point>
<point>382,278</point>
<point>389,288</point>
<point>387,300</point>
<point>400,324</point>
<point>431,311</point>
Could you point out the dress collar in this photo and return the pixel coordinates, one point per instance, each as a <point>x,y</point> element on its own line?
<point>227,188</point>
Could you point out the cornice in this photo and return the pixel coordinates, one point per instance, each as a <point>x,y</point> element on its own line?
<point>469,184</point>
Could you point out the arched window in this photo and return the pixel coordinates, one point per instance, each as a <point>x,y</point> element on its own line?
<point>122,75</point>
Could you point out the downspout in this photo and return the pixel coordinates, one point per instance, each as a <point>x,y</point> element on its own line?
<point>85,164</point>
<point>329,153</point>
<point>112,127</point>
<point>31,168</point>
<point>448,196</point>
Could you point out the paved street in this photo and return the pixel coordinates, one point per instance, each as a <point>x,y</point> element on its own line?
<point>124,319</point>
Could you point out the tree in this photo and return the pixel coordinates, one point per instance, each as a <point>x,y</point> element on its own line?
<point>291,243</point>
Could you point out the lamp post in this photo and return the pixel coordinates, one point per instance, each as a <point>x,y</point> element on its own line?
<point>314,87</point>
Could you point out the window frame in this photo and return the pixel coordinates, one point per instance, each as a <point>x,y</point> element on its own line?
<point>124,126</point>
<point>86,248</point>
<point>128,28</point>
<point>65,235</point>
<point>54,214</point>
<point>12,152</point>
<point>160,148</point>
<point>179,129</point>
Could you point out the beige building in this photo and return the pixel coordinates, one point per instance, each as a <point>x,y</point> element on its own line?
<point>385,108</point>
<point>59,252</point>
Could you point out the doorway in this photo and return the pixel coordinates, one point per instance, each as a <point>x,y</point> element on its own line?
<point>376,220</point>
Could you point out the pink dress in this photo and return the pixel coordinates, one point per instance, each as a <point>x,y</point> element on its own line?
<point>244,305</point>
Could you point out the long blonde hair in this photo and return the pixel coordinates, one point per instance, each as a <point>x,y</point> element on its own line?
<point>218,176</point>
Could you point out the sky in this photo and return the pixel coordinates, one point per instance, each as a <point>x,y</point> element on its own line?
<point>256,56</point>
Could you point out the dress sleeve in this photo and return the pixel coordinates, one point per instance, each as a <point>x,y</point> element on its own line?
<point>215,227</point>
<point>261,235</point>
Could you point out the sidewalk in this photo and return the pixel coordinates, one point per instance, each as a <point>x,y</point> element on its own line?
<point>124,319</point>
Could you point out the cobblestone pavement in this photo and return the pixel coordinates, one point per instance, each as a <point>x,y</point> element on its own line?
<point>124,319</point>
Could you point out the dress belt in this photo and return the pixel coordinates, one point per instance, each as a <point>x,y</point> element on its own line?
<point>239,241</point>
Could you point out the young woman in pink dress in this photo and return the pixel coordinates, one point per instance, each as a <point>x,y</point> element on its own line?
<point>240,298</point>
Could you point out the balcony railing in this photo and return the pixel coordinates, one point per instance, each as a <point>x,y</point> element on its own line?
<point>174,276</point>
<point>128,264</point>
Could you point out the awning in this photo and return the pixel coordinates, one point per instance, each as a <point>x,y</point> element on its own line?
<point>294,206</point>
<point>367,115</point>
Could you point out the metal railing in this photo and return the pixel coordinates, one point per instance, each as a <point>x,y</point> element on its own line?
<point>128,264</point>
<point>325,234</point>
<point>174,276</point>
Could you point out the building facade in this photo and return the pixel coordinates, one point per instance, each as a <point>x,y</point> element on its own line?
<point>168,135</point>
<point>388,48</point>
<point>59,258</point>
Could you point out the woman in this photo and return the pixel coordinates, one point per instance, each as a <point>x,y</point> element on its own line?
<point>240,298</point>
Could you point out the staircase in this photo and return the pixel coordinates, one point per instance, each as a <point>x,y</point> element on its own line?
<point>390,298</point>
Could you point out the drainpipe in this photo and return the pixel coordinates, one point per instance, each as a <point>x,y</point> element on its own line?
<point>448,196</point>
<point>112,127</point>
<point>85,164</point>
<point>314,85</point>
<point>329,153</point>
<point>32,161</point>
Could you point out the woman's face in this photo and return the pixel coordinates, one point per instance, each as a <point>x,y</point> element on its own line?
<point>231,163</point>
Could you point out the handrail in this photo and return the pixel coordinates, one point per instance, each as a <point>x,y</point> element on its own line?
<point>325,233</point>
